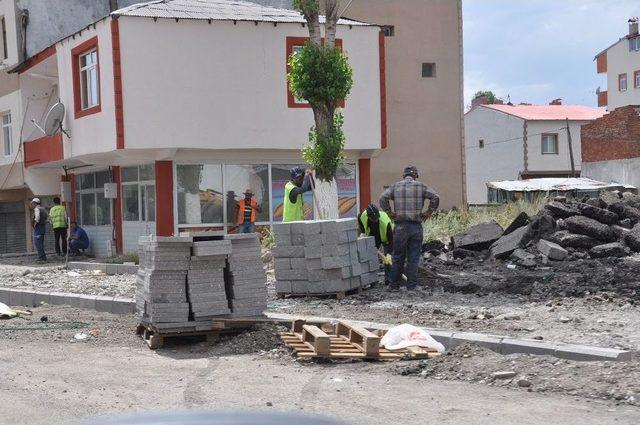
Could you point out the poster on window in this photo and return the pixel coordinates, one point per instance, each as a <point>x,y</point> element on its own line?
<point>280,175</point>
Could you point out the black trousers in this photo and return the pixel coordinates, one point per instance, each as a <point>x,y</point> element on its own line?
<point>60,235</point>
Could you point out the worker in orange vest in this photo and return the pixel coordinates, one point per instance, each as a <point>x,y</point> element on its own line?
<point>247,213</point>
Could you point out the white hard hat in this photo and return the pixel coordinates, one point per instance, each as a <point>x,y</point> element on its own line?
<point>35,201</point>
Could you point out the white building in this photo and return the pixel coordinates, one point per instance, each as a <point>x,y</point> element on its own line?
<point>184,105</point>
<point>621,63</point>
<point>511,142</point>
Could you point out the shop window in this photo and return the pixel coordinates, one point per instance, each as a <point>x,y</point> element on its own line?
<point>92,208</point>
<point>200,194</point>
<point>130,202</point>
<point>138,193</point>
<point>88,209</point>
<point>239,178</point>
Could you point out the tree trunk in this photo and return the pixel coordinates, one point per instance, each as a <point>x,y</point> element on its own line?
<point>326,200</point>
<point>331,23</point>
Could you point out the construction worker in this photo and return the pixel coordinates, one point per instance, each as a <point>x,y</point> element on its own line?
<point>58,220</point>
<point>376,223</point>
<point>293,206</point>
<point>78,239</point>
<point>408,196</point>
<point>246,213</point>
<point>39,222</point>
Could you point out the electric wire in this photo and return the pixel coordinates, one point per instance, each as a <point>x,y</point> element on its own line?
<point>515,138</point>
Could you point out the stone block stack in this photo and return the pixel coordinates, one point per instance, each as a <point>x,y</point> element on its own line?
<point>246,275</point>
<point>322,257</point>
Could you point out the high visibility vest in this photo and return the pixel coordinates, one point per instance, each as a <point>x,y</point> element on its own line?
<point>58,216</point>
<point>240,215</point>
<point>292,211</point>
<point>384,221</point>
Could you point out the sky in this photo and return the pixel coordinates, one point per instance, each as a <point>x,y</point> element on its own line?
<point>539,50</point>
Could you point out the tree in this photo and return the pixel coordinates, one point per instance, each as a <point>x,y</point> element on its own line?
<point>320,73</point>
<point>488,94</point>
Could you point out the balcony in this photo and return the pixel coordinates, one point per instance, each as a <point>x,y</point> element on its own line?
<point>43,150</point>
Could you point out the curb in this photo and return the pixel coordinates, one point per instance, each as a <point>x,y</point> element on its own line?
<point>101,303</point>
<point>499,344</point>
<point>107,268</point>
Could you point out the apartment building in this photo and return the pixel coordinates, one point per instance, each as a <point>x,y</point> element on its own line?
<point>181,106</point>
<point>621,64</point>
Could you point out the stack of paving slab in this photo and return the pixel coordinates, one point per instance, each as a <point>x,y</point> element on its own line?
<point>323,257</point>
<point>182,285</point>
<point>246,275</point>
<point>205,282</point>
<point>161,295</point>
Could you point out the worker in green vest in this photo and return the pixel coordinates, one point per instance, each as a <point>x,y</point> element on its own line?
<point>293,206</point>
<point>378,224</point>
<point>58,220</point>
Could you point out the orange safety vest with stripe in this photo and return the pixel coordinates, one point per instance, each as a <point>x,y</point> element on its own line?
<point>240,213</point>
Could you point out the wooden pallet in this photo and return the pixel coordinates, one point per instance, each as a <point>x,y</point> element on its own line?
<point>344,341</point>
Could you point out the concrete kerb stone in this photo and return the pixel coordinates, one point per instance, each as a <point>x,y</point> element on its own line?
<point>107,268</point>
<point>499,344</point>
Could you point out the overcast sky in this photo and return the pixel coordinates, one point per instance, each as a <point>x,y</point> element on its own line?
<point>538,50</point>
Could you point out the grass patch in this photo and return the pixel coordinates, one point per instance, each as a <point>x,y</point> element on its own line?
<point>444,225</point>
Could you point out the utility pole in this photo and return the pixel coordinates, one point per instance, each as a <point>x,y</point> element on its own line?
<point>573,166</point>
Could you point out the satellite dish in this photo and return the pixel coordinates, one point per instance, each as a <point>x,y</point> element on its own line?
<point>55,118</point>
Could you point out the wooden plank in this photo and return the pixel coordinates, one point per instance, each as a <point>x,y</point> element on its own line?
<point>317,338</point>
<point>367,341</point>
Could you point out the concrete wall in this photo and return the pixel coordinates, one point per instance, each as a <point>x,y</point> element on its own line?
<point>624,171</point>
<point>97,132</point>
<point>132,230</point>
<point>99,237</point>
<point>619,61</point>
<point>550,162</point>
<point>190,84</point>
<point>424,115</point>
<point>496,161</point>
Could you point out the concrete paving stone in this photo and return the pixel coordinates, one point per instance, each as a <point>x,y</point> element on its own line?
<point>374,266</point>
<point>296,274</point>
<point>89,302</point>
<point>488,341</point>
<point>329,250</point>
<point>72,300</point>
<point>356,269</point>
<point>313,263</point>
<point>111,269</point>
<point>57,298</point>
<point>298,263</point>
<point>103,303</point>
<point>4,295</point>
<point>15,298</point>
<point>299,287</point>
<point>346,272</point>
<point>283,286</point>
<point>328,226</point>
<point>335,262</point>
<point>513,345</point>
<point>353,252</point>
<point>241,237</point>
<point>281,228</point>
<point>283,239</point>
<point>122,306</point>
<point>347,224</point>
<point>297,227</point>
<point>312,252</point>
<point>217,305</point>
<point>362,246</point>
<point>342,250</point>
<point>331,238</point>
<point>288,252</point>
<point>42,297</point>
<point>312,228</point>
<point>126,269</point>
<point>282,263</point>
<point>368,278</point>
<point>348,236</point>
<point>169,319</point>
<point>584,353</point>
<point>239,275</point>
<point>168,307</point>
<point>297,240</point>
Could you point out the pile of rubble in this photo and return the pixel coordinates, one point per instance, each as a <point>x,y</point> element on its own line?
<point>607,226</point>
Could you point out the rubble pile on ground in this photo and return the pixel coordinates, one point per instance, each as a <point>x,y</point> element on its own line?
<point>323,257</point>
<point>182,285</point>
<point>602,227</point>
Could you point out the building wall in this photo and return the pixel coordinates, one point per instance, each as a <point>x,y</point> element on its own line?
<point>132,230</point>
<point>550,162</point>
<point>96,132</point>
<point>614,136</point>
<point>191,84</point>
<point>99,239</point>
<point>496,161</point>
<point>623,171</point>
<point>620,60</point>
<point>424,115</point>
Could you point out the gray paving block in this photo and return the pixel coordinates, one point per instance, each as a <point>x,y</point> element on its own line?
<point>42,297</point>
<point>312,252</point>
<point>288,252</point>
<point>335,262</point>
<point>299,287</point>
<point>281,228</point>
<point>297,274</point>
<point>111,269</point>
<point>28,298</point>
<point>331,238</point>
<point>283,286</point>
<point>15,298</point>
<point>282,263</point>
<point>57,298</point>
<point>328,226</point>
<point>283,239</point>
<point>313,263</point>
<point>126,269</point>
<point>4,295</point>
<point>585,353</point>
<point>347,224</point>
<point>103,303</point>
<point>312,228</point>
<point>72,300</point>
<point>298,263</point>
<point>297,240</point>
<point>513,345</point>
<point>347,236</point>
<point>122,306</point>
<point>297,227</point>
<point>488,341</point>
<point>87,302</point>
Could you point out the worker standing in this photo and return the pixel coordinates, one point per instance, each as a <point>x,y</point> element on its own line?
<point>58,219</point>
<point>408,196</point>
<point>293,206</point>
<point>246,214</point>
<point>39,223</point>
<point>376,223</point>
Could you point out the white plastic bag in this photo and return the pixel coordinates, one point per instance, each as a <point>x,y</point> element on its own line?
<point>405,335</point>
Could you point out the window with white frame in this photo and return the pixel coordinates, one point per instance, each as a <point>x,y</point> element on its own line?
<point>622,82</point>
<point>92,208</point>
<point>5,51</point>
<point>7,139</point>
<point>138,193</point>
<point>549,144</point>
<point>89,93</point>
<point>636,79</point>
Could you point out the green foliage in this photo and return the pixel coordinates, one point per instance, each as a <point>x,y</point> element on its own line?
<point>268,240</point>
<point>306,7</point>
<point>491,97</point>
<point>320,75</point>
<point>444,225</point>
<point>326,152</point>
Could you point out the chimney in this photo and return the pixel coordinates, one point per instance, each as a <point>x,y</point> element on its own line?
<point>480,100</point>
<point>633,27</point>
<point>556,102</point>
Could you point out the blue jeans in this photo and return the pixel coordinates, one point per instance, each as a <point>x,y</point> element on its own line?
<point>38,241</point>
<point>76,245</point>
<point>247,227</point>
<point>407,243</point>
<point>387,268</point>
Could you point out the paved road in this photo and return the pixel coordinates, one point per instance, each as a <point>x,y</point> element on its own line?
<point>49,382</point>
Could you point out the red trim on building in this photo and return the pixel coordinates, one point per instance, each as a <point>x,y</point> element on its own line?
<point>291,43</point>
<point>37,58</point>
<point>75,70</point>
<point>42,150</point>
<point>364,172</point>
<point>601,63</point>
<point>72,212</point>
<point>383,91</point>
<point>117,83</point>
<point>117,211</point>
<point>164,198</point>
<point>603,98</point>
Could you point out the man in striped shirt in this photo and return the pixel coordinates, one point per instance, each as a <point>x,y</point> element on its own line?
<point>408,196</point>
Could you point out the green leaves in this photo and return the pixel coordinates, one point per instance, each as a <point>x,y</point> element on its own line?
<point>320,75</point>
<point>325,152</point>
<point>306,7</point>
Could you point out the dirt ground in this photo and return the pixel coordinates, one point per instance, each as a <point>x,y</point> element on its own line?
<point>49,376</point>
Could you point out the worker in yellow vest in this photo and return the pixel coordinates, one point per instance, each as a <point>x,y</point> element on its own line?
<point>293,206</point>
<point>247,212</point>
<point>378,224</point>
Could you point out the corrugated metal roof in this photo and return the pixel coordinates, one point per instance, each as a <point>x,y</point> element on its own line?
<point>219,10</point>
<point>553,184</point>
<point>550,112</point>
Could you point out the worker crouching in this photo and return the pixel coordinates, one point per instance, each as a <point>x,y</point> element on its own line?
<point>378,224</point>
